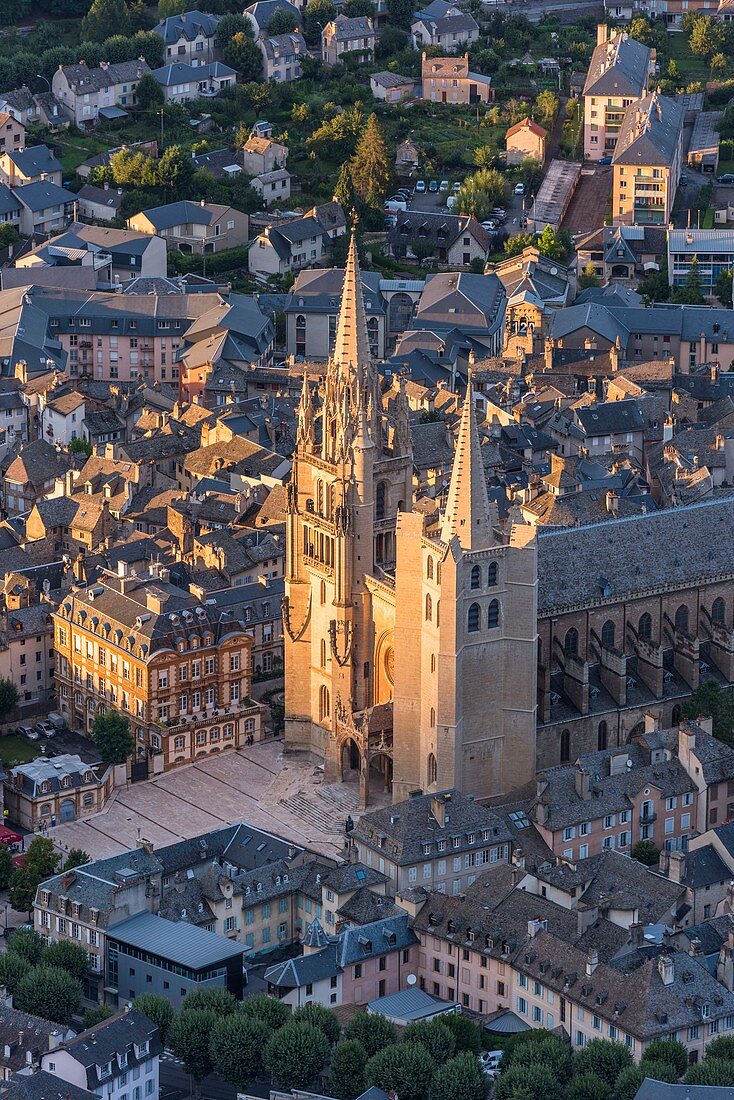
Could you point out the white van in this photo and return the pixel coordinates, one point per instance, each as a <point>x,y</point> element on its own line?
<point>392,206</point>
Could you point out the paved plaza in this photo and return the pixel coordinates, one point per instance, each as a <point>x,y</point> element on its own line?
<point>284,795</point>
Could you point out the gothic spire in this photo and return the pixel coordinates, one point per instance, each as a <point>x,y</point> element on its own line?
<point>467,508</point>
<point>305,428</point>
<point>352,349</point>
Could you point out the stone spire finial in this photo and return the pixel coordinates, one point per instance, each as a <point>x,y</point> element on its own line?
<point>467,508</point>
<point>352,348</point>
<point>305,428</point>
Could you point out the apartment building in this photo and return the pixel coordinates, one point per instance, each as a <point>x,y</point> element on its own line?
<point>190,37</point>
<point>354,37</point>
<point>440,842</point>
<point>150,650</point>
<point>618,76</point>
<point>108,1057</point>
<point>86,93</point>
<point>647,161</point>
<point>201,228</point>
<point>448,80</point>
<point>712,250</point>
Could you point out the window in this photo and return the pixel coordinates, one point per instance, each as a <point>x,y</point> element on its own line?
<point>493,614</point>
<point>476,576</point>
<point>429,609</point>
<point>718,610</point>
<point>571,642</point>
<point>602,736</point>
<point>492,574</point>
<point>681,619</point>
<point>429,568</point>
<point>565,746</point>
<point>607,634</point>
<point>473,618</point>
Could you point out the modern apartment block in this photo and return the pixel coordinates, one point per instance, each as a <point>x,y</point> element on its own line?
<point>647,161</point>
<point>618,75</point>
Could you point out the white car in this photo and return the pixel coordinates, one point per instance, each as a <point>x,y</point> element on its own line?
<point>519,188</point>
<point>490,1061</point>
<point>420,187</point>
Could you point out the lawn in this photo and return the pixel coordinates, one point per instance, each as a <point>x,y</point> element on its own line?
<point>689,66</point>
<point>16,750</point>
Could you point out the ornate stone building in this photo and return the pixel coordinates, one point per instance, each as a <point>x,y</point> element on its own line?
<point>376,609</point>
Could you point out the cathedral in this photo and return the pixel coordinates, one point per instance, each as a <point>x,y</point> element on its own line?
<point>410,647</point>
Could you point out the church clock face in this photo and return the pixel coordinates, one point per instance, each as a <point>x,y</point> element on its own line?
<point>390,664</point>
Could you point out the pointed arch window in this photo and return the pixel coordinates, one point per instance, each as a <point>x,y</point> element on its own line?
<point>492,573</point>
<point>644,627</point>
<point>565,746</point>
<point>718,610</point>
<point>322,593</point>
<point>433,718</point>
<point>429,567</point>
<point>324,702</point>
<point>476,577</point>
<point>323,653</point>
<point>381,500</point>
<point>429,609</point>
<point>571,642</point>
<point>473,619</point>
<point>607,634</point>
<point>493,614</point>
<point>681,619</point>
<point>432,774</point>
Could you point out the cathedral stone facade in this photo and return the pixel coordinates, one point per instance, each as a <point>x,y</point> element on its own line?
<point>410,657</point>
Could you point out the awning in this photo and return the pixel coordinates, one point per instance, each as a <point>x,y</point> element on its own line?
<point>111,113</point>
<point>507,1023</point>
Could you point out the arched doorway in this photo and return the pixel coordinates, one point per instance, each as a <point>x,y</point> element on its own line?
<point>350,760</point>
<point>67,810</point>
<point>380,778</point>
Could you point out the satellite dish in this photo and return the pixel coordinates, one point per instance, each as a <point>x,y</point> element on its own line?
<point>411,979</point>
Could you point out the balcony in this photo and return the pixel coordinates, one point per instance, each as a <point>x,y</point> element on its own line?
<point>647,817</point>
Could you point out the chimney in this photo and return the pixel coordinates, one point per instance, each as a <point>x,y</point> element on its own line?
<point>583,784</point>
<point>586,915</point>
<point>54,1039</point>
<point>651,723</point>
<point>602,33</point>
<point>612,502</point>
<point>592,961</point>
<point>637,934</point>
<point>666,969</point>
<point>725,964</point>
<point>439,805</point>
<point>676,866</point>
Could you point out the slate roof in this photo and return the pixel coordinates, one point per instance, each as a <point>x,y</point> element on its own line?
<point>650,132</point>
<point>264,10</point>
<point>590,564</point>
<point>659,1090</point>
<point>182,213</point>
<point>82,79</point>
<point>618,67</point>
<point>610,418</point>
<point>181,72</point>
<point>42,1086</point>
<point>34,160</point>
<point>37,463</point>
<point>360,26</point>
<point>21,1033</point>
<point>189,25</point>
<point>43,195</point>
<point>448,24</point>
<point>118,1035</point>
<point>43,770</point>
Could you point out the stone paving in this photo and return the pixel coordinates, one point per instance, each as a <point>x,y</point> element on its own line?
<point>284,795</point>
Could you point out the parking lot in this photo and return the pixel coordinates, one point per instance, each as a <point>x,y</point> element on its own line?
<point>435,203</point>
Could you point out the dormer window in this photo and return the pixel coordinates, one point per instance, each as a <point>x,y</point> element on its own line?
<point>123,1059</point>
<point>105,1070</point>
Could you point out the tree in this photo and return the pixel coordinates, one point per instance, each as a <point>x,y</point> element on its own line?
<point>627,1084</point>
<point>717,703</point>
<point>27,943</point>
<point>6,867</point>
<point>317,14</point>
<point>373,1032</point>
<point>355,8</point>
<point>370,164</point>
<point>723,1047</point>
<point>112,734</point>
<point>274,1013</point>
<point>547,1051</point>
<point>485,156</point>
<point>50,992</point>
<point>435,1036</point>
<point>236,1045</point>
<point>188,1038</point>
<point>406,1068</point>
<point>605,1058</point>
<point>400,13</point>
<point>23,886</point>
<point>149,92</point>
<point>546,104</point>
<point>589,277</point>
<point>587,1086</point>
<point>532,174</point>
<point>723,288</point>
<point>712,1071</point>
<point>660,1071</point>
<point>718,63</point>
<point>319,1017</point>
<point>461,1078</point>
<point>175,172</point>
<point>80,446</point>
<point>76,857</point>
<point>344,189</point>
<point>244,56</point>
<point>706,37</point>
<point>69,957</point>
<point>645,852</point>
<point>481,191</point>
<point>220,1001</point>
<point>8,234</point>
<point>641,30</point>
<point>532,1082</point>
<point>158,1009</point>
<point>673,1052</point>
<point>104,19</point>
<point>97,1015</point>
<point>347,1070</point>
<point>690,292</point>
<point>295,1054</point>
<point>13,968</point>
<point>281,22</point>
<point>8,696</point>
<point>465,1031</point>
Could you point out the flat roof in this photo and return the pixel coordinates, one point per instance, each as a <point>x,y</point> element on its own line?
<point>705,136</point>
<point>177,941</point>
<point>410,1004</point>
<point>555,192</point>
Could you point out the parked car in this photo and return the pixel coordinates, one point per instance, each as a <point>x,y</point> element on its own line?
<point>728,177</point>
<point>519,188</point>
<point>393,205</point>
<point>443,186</point>
<point>605,160</point>
<point>683,182</point>
<point>498,212</point>
<point>433,186</point>
<point>27,731</point>
<point>420,187</point>
<point>490,1061</point>
<point>457,187</point>
<point>44,729</point>
<point>57,721</point>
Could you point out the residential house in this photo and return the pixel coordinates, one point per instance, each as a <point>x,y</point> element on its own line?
<point>86,92</point>
<point>24,1038</point>
<point>262,154</point>
<point>12,134</point>
<point>457,239</point>
<point>41,1086</point>
<point>290,246</point>
<point>199,228</point>
<point>525,139</point>
<point>65,788</point>
<point>190,37</point>
<point>29,165</point>
<point>647,161</point>
<point>100,204</point>
<point>62,416</point>
<point>31,474</point>
<point>622,252</point>
<point>45,207</point>
<point>282,55</point>
<point>260,13</point>
<point>353,36</point>
<point>407,157</point>
<point>352,968</point>
<point>448,32</point>
<point>183,80</point>
<point>273,186</point>
<point>438,841</point>
<point>448,80</point>
<point>313,306</point>
<point>463,307</point>
<point>618,76</point>
<point>392,87</point>
<point>29,109</point>
<point>116,256</point>
<point>106,1057</point>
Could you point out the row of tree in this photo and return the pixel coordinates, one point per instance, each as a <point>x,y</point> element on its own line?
<point>45,981</point>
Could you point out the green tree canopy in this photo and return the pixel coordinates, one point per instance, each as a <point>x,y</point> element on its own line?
<point>465,1031</point>
<point>220,1001</point>
<point>175,173</point>
<point>461,1078</point>
<point>481,191</point>
<point>96,1015</point>
<point>347,1078</point>
<point>236,1046</point>
<point>6,867</point>
<point>604,1058</point>
<point>149,93</point>
<point>317,14</point>
<point>104,19</point>
<point>645,852</point>
<point>549,1052</point>
<point>244,56</point>
<point>528,1082</point>
<point>690,292</point>
<point>76,857</point>
<point>111,734</point>
<point>546,104</point>
<point>723,288</point>
<point>27,943</point>
<point>587,1086</point>
<point>69,956</point>
<point>706,37</point>
<point>406,1068</point>
<point>400,13</point>
<point>319,1017</point>
<point>370,165</point>
<point>668,1050</point>
<point>188,1038</point>
<point>723,1047</point>
<point>373,1032</point>
<point>13,968</point>
<point>435,1036</point>
<point>660,1071</point>
<point>589,277</point>
<point>158,1009</point>
<point>627,1084</point>
<point>712,1071</point>
<point>8,696</point>
<point>712,701</point>
<point>281,22</point>
<point>50,992</point>
<point>274,1013</point>
<point>295,1054</point>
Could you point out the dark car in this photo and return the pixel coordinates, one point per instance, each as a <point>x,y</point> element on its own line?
<point>433,186</point>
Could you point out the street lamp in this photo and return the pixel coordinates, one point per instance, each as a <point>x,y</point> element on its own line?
<point>40,76</point>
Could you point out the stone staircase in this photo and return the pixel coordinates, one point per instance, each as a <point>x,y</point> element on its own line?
<point>325,808</point>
